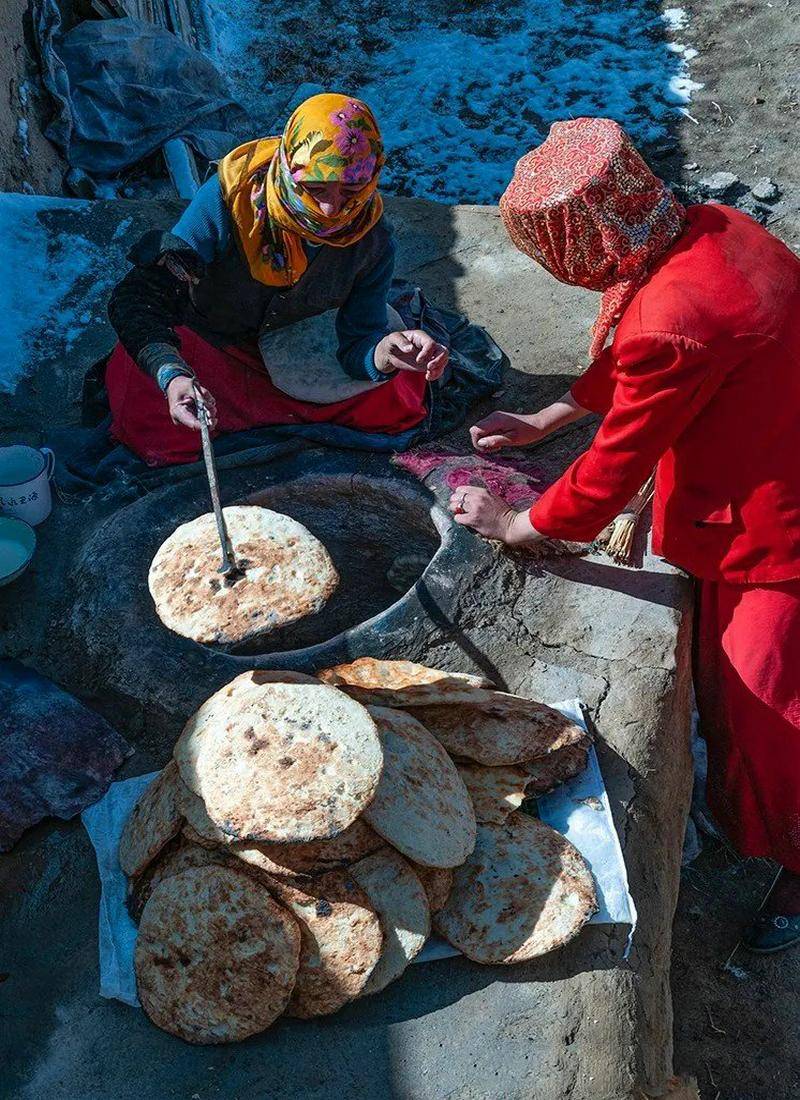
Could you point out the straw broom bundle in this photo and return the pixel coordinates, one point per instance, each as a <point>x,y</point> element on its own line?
<point>617,539</point>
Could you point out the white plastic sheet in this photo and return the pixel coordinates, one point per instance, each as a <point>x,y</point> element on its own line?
<point>579,809</point>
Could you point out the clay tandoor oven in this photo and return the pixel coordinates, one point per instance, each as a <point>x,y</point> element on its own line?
<point>399,556</point>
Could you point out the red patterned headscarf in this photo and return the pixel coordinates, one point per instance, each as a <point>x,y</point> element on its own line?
<point>586,206</point>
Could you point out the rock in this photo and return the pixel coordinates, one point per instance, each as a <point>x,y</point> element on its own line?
<point>748,205</point>
<point>689,192</point>
<point>719,183</point>
<point>303,92</point>
<point>692,166</point>
<point>766,190</point>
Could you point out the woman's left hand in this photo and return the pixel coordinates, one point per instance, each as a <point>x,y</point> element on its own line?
<point>414,350</point>
<point>489,516</point>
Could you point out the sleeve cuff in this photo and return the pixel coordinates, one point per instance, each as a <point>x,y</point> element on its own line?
<point>541,521</point>
<point>168,373</point>
<point>371,371</point>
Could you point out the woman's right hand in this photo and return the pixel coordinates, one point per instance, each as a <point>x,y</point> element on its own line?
<point>506,429</point>
<point>182,405</point>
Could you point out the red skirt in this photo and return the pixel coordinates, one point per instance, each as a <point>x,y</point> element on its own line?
<point>747,682</point>
<point>246,398</point>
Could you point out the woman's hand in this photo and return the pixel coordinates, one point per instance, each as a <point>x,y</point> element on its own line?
<point>414,350</point>
<point>506,429</point>
<point>182,404</point>
<point>489,516</point>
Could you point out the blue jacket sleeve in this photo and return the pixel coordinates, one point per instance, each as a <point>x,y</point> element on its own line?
<point>361,321</point>
<point>205,224</point>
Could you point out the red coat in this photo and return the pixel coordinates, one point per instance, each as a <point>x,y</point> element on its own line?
<point>703,379</point>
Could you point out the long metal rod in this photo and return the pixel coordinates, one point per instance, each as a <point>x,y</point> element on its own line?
<point>228,559</point>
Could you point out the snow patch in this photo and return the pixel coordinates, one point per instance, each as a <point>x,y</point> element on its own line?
<point>676,19</point>
<point>461,89</point>
<point>23,136</point>
<point>39,302</point>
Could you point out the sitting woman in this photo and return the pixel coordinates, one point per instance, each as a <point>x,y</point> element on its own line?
<point>288,229</point>
<point>702,382</point>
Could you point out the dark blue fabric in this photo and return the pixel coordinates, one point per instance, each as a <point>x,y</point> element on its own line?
<point>205,224</point>
<point>123,87</point>
<point>88,458</point>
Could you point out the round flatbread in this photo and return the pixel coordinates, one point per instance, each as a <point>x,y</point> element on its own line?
<point>216,957</point>
<point>301,359</point>
<point>547,772</point>
<point>495,792</point>
<point>179,855</point>
<point>288,861</point>
<point>286,575</point>
<point>315,858</point>
<point>437,882</point>
<point>281,762</point>
<point>283,676</point>
<point>398,897</point>
<point>524,891</point>
<point>341,942</point>
<point>153,822</point>
<point>401,683</point>
<point>500,729</point>
<point>421,806</point>
<point>198,826</point>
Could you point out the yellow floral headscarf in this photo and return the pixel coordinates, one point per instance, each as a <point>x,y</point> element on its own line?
<point>329,138</point>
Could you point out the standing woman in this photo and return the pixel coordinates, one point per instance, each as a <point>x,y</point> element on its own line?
<point>289,228</point>
<point>701,381</point>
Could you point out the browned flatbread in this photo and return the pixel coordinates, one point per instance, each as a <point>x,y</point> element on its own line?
<point>279,762</point>
<point>179,855</point>
<point>495,792</point>
<point>437,882</point>
<point>341,942</point>
<point>198,826</point>
<point>525,890</point>
<point>286,574</point>
<point>547,772</point>
<point>282,676</point>
<point>501,729</point>
<point>279,860</point>
<point>421,806</point>
<point>288,861</point>
<point>153,822</point>
<point>400,901</point>
<point>401,683</point>
<point>216,957</point>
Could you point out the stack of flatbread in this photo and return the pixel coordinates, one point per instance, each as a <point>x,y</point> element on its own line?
<point>309,831</point>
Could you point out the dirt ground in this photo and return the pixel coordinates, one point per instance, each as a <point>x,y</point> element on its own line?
<point>27,159</point>
<point>737,1031</point>
<point>739,1034</point>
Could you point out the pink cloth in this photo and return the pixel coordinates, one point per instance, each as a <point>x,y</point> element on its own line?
<point>518,482</point>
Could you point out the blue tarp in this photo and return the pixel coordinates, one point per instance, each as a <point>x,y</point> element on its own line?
<point>123,87</point>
